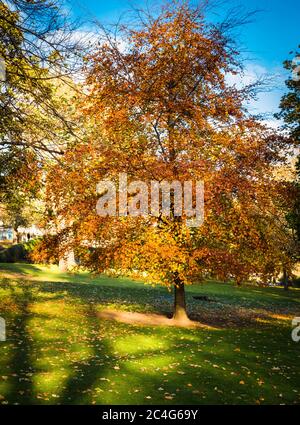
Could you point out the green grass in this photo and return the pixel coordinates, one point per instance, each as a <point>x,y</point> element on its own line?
<point>59,351</point>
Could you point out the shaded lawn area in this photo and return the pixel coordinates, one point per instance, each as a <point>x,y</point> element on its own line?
<point>58,351</point>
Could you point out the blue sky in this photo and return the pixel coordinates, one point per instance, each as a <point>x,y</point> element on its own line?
<point>266,42</point>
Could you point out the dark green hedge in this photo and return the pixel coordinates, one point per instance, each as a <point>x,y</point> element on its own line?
<point>17,253</point>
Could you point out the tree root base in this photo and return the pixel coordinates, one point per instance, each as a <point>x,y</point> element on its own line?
<point>142,319</point>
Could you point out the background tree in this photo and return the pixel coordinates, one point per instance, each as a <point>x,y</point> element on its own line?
<point>161,109</point>
<point>290,113</point>
<point>40,54</point>
<point>290,102</point>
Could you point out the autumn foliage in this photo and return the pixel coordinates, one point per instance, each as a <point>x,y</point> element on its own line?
<point>158,105</point>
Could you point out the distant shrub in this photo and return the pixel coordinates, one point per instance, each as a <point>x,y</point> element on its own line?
<point>3,257</point>
<point>18,253</point>
<point>296,282</point>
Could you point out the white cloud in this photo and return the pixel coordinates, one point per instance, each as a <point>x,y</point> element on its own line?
<point>269,94</point>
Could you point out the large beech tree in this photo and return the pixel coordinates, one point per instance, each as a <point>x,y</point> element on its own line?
<point>158,107</point>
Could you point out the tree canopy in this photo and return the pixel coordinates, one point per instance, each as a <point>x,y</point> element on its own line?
<point>159,107</point>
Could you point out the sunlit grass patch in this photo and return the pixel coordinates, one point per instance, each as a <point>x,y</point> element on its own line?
<point>140,343</point>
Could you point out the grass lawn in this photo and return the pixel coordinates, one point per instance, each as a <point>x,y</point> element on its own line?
<point>58,351</point>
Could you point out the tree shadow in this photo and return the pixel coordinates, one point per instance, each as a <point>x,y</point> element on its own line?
<point>87,372</point>
<point>24,367</point>
<point>23,269</point>
<point>220,314</point>
<point>21,368</point>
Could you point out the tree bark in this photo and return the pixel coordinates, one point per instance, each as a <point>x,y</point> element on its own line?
<point>180,313</point>
<point>67,262</point>
<point>285,280</point>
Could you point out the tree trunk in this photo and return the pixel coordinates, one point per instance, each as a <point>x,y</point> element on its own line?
<point>67,262</point>
<point>180,313</point>
<point>285,280</point>
<point>17,236</point>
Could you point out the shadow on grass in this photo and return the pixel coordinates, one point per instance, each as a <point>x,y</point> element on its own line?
<point>21,268</point>
<point>21,369</point>
<point>26,348</point>
<point>89,371</point>
<point>60,352</point>
<point>234,308</point>
<point>227,310</point>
